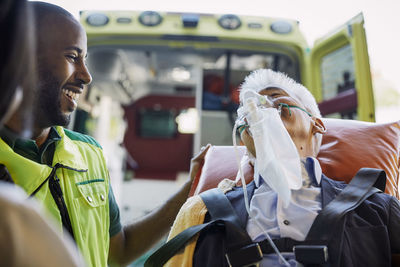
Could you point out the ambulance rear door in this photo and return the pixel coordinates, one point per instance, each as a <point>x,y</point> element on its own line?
<point>340,73</point>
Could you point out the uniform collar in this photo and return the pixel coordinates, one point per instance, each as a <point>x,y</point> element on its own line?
<point>29,174</point>
<point>24,172</point>
<point>67,152</point>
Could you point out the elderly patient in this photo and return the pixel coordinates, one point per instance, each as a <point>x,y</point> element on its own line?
<point>286,197</point>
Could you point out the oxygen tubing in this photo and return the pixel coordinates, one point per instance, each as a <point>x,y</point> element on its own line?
<point>246,197</point>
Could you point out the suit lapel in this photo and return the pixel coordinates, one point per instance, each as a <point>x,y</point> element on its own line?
<point>329,189</point>
<point>236,198</point>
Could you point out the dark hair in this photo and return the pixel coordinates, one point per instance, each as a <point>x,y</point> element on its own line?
<point>44,13</point>
<point>16,54</point>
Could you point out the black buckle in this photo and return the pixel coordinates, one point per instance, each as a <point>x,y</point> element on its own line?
<point>311,254</point>
<point>246,256</point>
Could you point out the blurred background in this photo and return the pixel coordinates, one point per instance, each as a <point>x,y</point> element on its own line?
<point>148,94</point>
<point>316,17</point>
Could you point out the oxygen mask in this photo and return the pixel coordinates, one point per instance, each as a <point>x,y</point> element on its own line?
<point>277,160</point>
<point>260,101</point>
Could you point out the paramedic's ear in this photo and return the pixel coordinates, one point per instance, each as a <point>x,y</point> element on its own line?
<point>318,126</point>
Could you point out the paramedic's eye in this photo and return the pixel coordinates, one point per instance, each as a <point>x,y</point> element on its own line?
<point>72,57</point>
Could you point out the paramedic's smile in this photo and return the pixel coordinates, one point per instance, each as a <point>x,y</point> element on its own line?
<point>70,94</point>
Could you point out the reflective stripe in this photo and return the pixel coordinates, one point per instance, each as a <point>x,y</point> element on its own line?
<point>90,181</point>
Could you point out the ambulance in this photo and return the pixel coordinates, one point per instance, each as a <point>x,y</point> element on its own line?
<point>173,78</point>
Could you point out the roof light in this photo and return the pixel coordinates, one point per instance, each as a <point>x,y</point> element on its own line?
<point>190,20</point>
<point>254,25</point>
<point>124,20</point>
<point>150,18</point>
<point>97,19</point>
<point>229,22</point>
<point>281,27</point>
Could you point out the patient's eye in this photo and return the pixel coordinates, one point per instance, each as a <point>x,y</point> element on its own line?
<point>274,95</point>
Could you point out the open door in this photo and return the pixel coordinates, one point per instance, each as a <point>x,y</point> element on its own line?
<point>340,73</point>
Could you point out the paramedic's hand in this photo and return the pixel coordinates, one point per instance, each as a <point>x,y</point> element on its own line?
<point>197,162</point>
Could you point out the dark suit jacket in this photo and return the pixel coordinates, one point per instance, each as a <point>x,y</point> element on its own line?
<point>370,234</point>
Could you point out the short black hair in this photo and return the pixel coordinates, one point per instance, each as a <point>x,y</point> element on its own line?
<point>42,9</point>
<point>45,14</point>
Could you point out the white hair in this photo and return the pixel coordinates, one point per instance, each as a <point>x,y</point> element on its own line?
<point>266,78</point>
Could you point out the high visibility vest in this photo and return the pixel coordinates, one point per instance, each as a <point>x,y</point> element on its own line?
<point>84,181</point>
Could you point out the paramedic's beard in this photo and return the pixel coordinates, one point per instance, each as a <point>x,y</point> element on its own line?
<point>49,103</point>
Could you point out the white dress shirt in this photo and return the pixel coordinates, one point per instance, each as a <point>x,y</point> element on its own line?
<point>294,221</point>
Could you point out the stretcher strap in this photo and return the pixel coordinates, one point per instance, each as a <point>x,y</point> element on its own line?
<point>359,189</point>
<point>222,214</point>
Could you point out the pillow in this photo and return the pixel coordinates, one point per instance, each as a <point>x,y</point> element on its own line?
<point>350,145</point>
<point>220,163</point>
<point>347,146</point>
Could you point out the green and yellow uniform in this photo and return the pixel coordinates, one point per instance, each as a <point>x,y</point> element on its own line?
<point>68,175</point>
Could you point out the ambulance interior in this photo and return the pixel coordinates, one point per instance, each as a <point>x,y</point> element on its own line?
<point>162,104</point>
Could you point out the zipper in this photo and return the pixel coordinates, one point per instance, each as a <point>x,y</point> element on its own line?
<point>56,192</point>
<point>58,196</point>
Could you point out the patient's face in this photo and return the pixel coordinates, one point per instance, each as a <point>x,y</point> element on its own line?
<point>297,122</point>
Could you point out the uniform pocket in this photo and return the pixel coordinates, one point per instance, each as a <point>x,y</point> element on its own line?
<point>92,217</point>
<point>93,192</point>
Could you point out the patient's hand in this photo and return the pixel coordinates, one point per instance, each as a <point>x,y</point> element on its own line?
<point>197,161</point>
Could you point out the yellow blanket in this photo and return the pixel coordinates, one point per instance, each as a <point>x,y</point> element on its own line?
<point>192,213</point>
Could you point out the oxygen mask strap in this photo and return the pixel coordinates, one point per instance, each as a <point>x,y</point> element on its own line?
<point>293,106</point>
<point>242,127</point>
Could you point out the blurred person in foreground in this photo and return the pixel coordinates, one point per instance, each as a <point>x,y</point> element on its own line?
<point>290,200</point>
<point>27,238</point>
<point>66,170</point>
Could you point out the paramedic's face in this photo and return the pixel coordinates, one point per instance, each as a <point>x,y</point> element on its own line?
<point>61,69</point>
<point>297,122</point>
